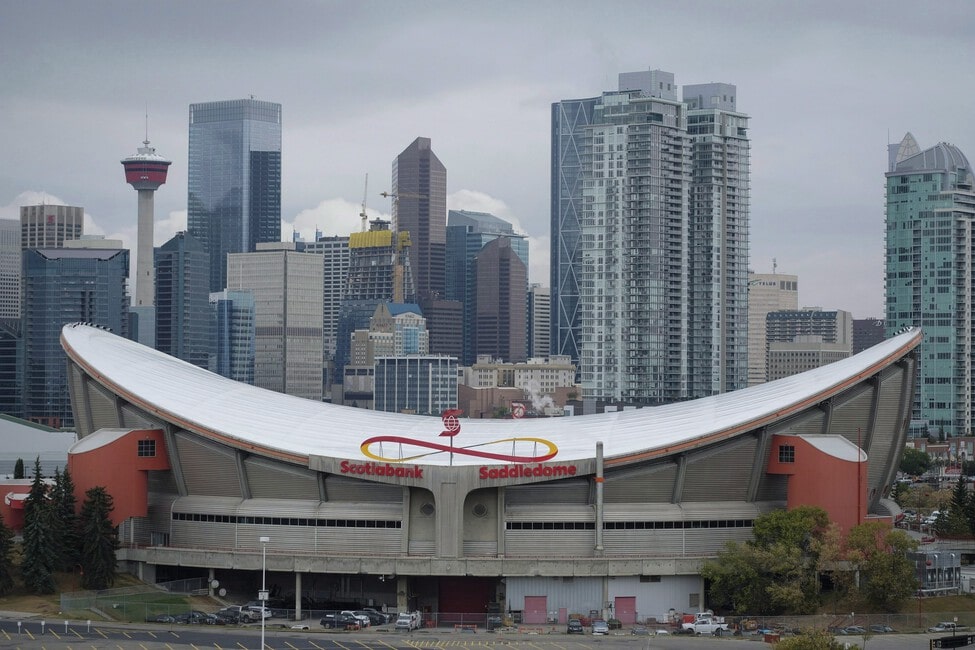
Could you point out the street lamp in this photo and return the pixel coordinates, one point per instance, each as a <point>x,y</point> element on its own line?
<point>262,595</point>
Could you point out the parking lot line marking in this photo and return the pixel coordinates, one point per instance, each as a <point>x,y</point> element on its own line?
<point>387,645</point>
<point>76,633</point>
<point>104,636</point>
<point>311,642</point>
<point>127,635</point>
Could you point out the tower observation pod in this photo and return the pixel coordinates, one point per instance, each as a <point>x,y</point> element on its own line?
<point>145,171</point>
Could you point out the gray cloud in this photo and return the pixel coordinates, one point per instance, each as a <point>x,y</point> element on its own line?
<point>827,85</point>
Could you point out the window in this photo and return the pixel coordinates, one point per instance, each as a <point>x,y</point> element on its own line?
<point>147,449</point>
<point>787,454</point>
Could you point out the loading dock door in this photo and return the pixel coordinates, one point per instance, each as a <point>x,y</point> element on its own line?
<point>536,610</point>
<point>626,609</point>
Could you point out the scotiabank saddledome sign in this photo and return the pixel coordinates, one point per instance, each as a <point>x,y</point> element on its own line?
<point>525,454</point>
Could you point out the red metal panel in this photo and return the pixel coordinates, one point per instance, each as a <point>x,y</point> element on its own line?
<point>536,610</point>
<point>625,609</point>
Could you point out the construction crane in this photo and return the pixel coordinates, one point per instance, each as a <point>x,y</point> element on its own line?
<point>362,213</point>
<point>401,195</point>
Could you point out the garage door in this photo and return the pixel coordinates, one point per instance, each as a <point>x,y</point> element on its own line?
<point>536,612</point>
<point>626,609</point>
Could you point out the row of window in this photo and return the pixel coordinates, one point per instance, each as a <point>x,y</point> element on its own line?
<point>511,525</point>
<point>287,521</point>
<point>629,525</point>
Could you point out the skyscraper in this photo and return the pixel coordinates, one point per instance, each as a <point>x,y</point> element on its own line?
<point>48,226</point>
<point>929,271</point>
<point>650,239</point>
<point>718,212</point>
<point>287,289</point>
<point>767,292</point>
<point>232,315</point>
<point>66,285</point>
<point>234,179</point>
<point>420,208</point>
<point>467,234</point>
<point>500,298</point>
<point>182,318</point>
<point>9,268</point>
<point>539,321</point>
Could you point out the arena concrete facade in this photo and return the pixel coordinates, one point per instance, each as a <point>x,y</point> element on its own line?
<point>610,513</point>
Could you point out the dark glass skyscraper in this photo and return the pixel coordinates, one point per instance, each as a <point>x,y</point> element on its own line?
<point>420,188</point>
<point>182,299</point>
<point>234,179</point>
<point>61,286</point>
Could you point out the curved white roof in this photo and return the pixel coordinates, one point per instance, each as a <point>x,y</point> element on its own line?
<point>293,429</point>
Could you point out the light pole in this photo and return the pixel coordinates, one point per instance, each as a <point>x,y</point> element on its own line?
<point>262,596</point>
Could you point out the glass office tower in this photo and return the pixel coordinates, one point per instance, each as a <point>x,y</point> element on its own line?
<point>234,179</point>
<point>61,286</point>
<point>181,299</point>
<point>930,239</point>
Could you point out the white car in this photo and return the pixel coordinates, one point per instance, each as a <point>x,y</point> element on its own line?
<point>258,610</point>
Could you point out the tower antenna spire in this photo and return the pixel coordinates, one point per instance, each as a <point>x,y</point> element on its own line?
<point>146,142</point>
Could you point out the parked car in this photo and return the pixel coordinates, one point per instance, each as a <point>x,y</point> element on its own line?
<point>639,630</point>
<point>945,626</point>
<point>242,612</point>
<point>161,618</point>
<point>882,629</point>
<point>381,617</point>
<point>359,615</point>
<point>339,621</point>
<point>599,626</point>
<point>854,629</point>
<point>257,609</point>
<point>575,627</point>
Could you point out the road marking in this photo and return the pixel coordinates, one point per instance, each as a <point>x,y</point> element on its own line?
<point>55,633</point>
<point>127,635</point>
<point>316,645</point>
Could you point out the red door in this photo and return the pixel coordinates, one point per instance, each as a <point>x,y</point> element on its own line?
<point>536,612</point>
<point>625,609</point>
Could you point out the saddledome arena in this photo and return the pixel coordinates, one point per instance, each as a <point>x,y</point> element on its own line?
<point>612,513</point>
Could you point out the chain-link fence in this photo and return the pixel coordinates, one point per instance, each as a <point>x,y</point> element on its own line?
<point>136,603</point>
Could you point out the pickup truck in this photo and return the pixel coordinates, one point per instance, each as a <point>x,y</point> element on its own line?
<point>713,626</point>
<point>946,626</point>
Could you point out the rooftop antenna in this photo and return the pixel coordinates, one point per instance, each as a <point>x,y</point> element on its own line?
<point>775,266</point>
<point>147,125</point>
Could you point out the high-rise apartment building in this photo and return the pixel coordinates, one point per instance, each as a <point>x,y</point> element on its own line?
<point>9,268</point>
<point>650,212</point>
<point>61,286</point>
<point>287,289</point>
<point>767,292</point>
<point>234,179</point>
<point>467,235</point>
<point>539,321</point>
<point>335,254</point>
<point>929,271</point>
<point>233,335</point>
<point>718,213</point>
<point>424,385</point>
<point>48,226</point>
<point>182,270</point>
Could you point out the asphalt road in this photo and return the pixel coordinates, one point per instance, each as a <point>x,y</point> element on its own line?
<point>34,634</point>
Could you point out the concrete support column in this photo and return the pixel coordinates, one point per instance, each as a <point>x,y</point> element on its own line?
<point>402,594</point>
<point>297,595</point>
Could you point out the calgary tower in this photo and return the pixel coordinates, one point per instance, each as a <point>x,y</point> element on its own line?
<point>145,171</point>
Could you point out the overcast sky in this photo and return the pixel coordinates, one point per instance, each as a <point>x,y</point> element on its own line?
<point>827,85</point>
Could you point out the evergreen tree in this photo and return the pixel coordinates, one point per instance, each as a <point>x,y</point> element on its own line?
<point>65,506</point>
<point>40,559</point>
<point>99,540</point>
<point>955,522</point>
<point>6,561</point>
<point>19,468</point>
